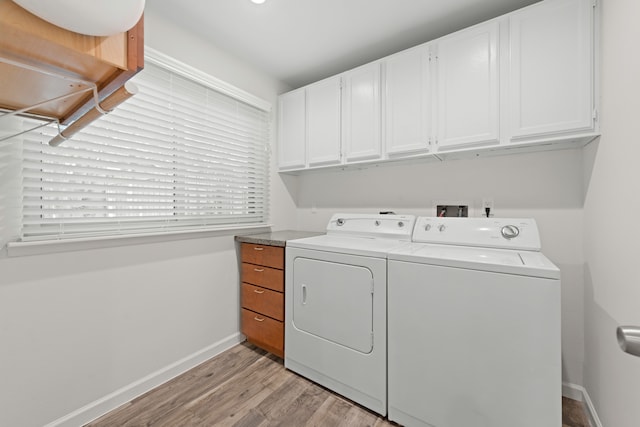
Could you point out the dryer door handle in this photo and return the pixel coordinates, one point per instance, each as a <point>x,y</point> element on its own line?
<point>304,294</point>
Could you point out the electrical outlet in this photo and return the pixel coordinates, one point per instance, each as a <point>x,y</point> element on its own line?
<point>487,203</point>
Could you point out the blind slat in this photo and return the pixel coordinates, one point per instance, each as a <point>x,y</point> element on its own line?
<point>178,155</point>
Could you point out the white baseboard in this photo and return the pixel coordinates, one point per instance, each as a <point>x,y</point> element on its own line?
<point>119,397</point>
<point>579,393</point>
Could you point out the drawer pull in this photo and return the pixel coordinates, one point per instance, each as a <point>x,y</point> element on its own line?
<point>257,319</point>
<point>258,249</point>
<point>258,270</point>
<point>258,291</point>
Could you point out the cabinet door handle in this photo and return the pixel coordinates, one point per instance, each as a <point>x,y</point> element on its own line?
<point>257,319</point>
<point>258,249</point>
<point>258,291</point>
<point>258,270</point>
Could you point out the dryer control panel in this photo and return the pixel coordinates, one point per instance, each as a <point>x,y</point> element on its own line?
<point>504,233</point>
<point>387,226</point>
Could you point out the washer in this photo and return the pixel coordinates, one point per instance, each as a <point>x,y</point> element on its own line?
<point>336,305</point>
<point>474,326</point>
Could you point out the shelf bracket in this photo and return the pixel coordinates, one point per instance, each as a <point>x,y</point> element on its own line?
<point>82,121</point>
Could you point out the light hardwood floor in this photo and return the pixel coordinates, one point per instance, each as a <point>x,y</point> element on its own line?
<point>245,386</point>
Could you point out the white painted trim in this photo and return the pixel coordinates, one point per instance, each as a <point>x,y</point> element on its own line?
<point>573,391</point>
<point>119,397</point>
<point>39,247</point>
<point>167,62</point>
<point>579,393</point>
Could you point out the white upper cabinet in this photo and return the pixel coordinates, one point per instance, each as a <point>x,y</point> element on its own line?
<point>525,79</point>
<point>407,111</point>
<point>551,89</point>
<point>361,113</point>
<point>291,135</point>
<point>324,122</point>
<point>467,89</point>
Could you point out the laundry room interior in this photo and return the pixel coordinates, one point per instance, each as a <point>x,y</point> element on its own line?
<point>90,324</point>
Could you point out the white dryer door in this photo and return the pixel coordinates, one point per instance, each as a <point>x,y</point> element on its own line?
<point>334,301</point>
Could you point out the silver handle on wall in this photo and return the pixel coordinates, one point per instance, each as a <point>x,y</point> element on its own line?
<point>629,339</point>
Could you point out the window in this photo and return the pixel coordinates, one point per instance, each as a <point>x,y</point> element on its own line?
<point>186,153</point>
<point>10,181</point>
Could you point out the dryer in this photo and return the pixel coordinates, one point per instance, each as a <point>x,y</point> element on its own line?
<point>336,305</point>
<point>474,326</point>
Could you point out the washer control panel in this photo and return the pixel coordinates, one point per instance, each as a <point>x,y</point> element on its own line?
<point>506,233</point>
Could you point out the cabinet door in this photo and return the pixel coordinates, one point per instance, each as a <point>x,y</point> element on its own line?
<point>407,103</point>
<point>291,135</point>
<point>323,122</point>
<point>551,69</point>
<point>361,113</point>
<point>467,87</point>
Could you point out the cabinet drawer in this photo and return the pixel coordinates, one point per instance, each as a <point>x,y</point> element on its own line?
<point>263,276</point>
<point>271,256</point>
<point>263,331</point>
<point>263,301</point>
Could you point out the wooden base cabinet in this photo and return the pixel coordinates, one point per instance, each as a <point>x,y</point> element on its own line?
<point>262,296</point>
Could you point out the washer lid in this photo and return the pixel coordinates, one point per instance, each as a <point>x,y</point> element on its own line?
<point>524,263</point>
<point>373,247</point>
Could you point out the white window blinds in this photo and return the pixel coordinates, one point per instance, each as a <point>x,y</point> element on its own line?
<point>10,180</point>
<point>177,156</point>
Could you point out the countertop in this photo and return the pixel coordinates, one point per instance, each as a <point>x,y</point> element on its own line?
<point>276,238</point>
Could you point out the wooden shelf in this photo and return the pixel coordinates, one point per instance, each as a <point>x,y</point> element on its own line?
<point>107,62</point>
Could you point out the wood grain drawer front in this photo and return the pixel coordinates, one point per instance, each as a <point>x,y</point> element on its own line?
<point>263,331</point>
<point>270,256</point>
<point>265,277</point>
<point>263,301</point>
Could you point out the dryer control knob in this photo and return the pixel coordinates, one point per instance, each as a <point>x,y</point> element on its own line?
<point>400,224</point>
<point>441,227</point>
<point>510,231</point>
<point>427,227</point>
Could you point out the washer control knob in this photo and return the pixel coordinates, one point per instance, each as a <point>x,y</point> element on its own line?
<point>441,227</point>
<point>400,224</point>
<point>377,223</point>
<point>427,227</point>
<point>340,221</point>
<point>510,231</point>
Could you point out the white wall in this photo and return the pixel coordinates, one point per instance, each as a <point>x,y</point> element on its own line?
<point>612,234</point>
<point>77,326</point>
<point>546,186</point>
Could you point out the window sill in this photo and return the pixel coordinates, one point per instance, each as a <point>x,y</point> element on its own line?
<point>16,249</point>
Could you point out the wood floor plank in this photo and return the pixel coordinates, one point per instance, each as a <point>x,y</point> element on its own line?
<point>254,418</point>
<point>238,397</point>
<point>573,414</point>
<point>333,412</point>
<point>247,387</point>
<point>158,403</point>
<point>302,408</point>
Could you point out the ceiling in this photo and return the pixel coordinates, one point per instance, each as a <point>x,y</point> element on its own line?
<point>302,41</point>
